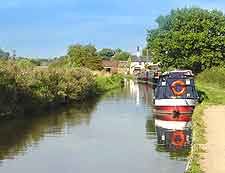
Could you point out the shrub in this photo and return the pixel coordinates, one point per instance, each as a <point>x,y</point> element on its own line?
<point>26,89</point>
<point>215,76</point>
<point>104,84</point>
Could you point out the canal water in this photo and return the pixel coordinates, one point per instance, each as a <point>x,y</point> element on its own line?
<point>115,134</point>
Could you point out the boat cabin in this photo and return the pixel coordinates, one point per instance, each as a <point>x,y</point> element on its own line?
<point>176,84</point>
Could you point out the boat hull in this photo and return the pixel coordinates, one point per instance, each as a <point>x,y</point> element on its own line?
<point>174,109</point>
<point>171,117</point>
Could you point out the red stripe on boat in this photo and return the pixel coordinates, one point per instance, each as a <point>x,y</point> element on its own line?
<point>171,118</point>
<point>176,108</point>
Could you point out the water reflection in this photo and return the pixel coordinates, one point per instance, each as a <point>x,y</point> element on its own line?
<point>19,135</point>
<point>140,91</point>
<point>173,137</point>
<point>116,134</point>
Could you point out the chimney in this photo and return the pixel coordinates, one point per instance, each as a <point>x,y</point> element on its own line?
<point>138,52</point>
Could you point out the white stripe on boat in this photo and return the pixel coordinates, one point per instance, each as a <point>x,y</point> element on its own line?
<point>175,102</point>
<point>172,125</point>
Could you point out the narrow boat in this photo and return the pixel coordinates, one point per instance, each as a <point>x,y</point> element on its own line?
<point>175,96</point>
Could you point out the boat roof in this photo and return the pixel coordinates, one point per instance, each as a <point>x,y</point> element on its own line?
<point>178,73</point>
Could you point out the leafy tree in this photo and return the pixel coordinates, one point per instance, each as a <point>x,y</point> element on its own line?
<point>106,53</point>
<point>84,56</point>
<point>118,50</point>
<point>80,56</point>
<point>192,38</point>
<point>4,54</point>
<point>121,56</point>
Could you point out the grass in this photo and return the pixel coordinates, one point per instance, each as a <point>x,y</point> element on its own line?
<point>198,139</point>
<point>211,86</point>
<point>214,93</point>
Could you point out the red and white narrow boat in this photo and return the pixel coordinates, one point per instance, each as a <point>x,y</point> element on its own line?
<point>175,96</point>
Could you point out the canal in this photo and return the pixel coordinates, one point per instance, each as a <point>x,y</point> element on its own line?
<point>114,134</point>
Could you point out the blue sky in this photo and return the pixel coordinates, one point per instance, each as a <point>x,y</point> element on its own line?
<point>45,28</point>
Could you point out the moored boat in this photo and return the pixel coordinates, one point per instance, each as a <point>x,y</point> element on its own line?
<point>175,96</point>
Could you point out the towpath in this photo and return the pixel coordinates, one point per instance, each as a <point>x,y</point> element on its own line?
<point>214,158</point>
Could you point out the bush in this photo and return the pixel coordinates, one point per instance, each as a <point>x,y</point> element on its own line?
<point>26,89</point>
<point>215,76</point>
<point>25,63</point>
<point>104,84</point>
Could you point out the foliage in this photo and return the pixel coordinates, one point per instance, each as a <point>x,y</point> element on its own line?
<point>104,84</point>
<point>122,56</point>
<point>212,84</point>
<point>106,53</point>
<point>214,76</point>
<point>4,54</point>
<point>118,50</point>
<point>25,63</point>
<point>198,138</point>
<point>190,38</point>
<point>117,54</point>
<point>25,89</point>
<point>80,56</point>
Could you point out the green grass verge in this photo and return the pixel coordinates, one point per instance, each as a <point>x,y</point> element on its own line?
<point>198,139</point>
<point>211,86</point>
<point>213,94</point>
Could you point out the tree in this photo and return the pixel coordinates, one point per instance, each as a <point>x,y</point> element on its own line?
<point>121,56</point>
<point>106,53</point>
<point>192,38</point>
<point>118,50</point>
<point>79,56</point>
<point>83,56</point>
<point>4,54</point>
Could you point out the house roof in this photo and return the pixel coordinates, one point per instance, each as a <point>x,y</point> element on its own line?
<point>135,58</point>
<point>110,63</point>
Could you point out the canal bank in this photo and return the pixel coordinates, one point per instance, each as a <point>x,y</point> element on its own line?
<point>117,134</point>
<point>211,86</point>
<point>32,91</point>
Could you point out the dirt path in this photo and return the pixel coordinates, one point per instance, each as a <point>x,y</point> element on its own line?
<point>214,158</point>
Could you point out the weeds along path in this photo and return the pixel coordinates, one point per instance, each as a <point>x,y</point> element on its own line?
<point>214,158</point>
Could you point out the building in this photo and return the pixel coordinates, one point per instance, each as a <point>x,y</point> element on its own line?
<point>123,67</point>
<point>138,64</point>
<point>110,66</point>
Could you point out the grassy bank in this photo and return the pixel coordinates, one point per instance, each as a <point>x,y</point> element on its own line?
<point>211,86</point>
<point>26,89</point>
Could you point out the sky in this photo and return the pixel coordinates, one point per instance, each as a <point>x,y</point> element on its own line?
<point>45,28</point>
